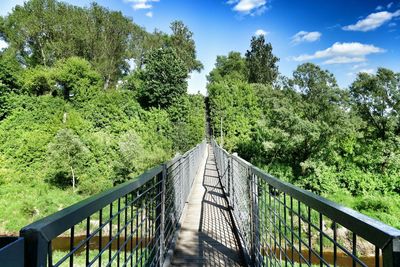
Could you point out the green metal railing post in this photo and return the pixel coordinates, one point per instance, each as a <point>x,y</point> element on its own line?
<point>36,248</point>
<point>160,211</point>
<point>229,172</point>
<point>391,253</point>
<point>255,220</point>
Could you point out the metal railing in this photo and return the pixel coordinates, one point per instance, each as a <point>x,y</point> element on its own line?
<point>280,224</point>
<point>132,224</point>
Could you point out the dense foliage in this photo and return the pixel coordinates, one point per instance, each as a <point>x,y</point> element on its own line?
<point>261,62</point>
<point>164,78</point>
<point>339,143</point>
<point>74,120</point>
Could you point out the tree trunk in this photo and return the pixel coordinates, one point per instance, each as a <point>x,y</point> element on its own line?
<point>65,117</point>
<point>42,52</point>
<point>73,179</point>
<point>106,83</point>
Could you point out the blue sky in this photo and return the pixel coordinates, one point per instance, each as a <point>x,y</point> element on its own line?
<point>343,36</point>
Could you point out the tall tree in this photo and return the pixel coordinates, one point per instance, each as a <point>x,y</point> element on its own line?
<point>109,34</point>
<point>142,42</point>
<point>317,86</point>
<point>164,78</point>
<point>30,28</point>
<point>182,41</point>
<point>261,62</point>
<point>45,31</point>
<point>377,100</point>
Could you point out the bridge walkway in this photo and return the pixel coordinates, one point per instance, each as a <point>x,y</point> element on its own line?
<point>207,237</point>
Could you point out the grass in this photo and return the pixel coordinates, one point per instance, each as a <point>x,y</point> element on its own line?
<point>80,259</point>
<point>23,203</point>
<point>385,208</point>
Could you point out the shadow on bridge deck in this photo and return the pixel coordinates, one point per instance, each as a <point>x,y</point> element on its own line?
<point>207,237</point>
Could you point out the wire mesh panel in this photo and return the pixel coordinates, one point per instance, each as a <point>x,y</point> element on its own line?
<point>282,225</point>
<point>181,173</point>
<point>242,209</point>
<point>129,225</point>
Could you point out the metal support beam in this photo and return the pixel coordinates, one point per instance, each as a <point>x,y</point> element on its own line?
<point>391,253</point>
<point>36,248</point>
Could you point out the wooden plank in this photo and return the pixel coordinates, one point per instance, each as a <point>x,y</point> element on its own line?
<point>206,237</point>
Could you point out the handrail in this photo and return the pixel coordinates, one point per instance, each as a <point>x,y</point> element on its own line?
<point>267,213</point>
<point>57,223</point>
<point>366,227</point>
<point>126,224</point>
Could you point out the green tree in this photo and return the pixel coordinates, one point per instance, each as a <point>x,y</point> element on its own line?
<point>234,103</point>
<point>29,29</point>
<point>76,78</point>
<point>38,81</point>
<point>141,42</point>
<point>318,88</point>
<point>164,78</point>
<point>66,154</point>
<point>261,62</point>
<point>231,66</point>
<point>182,41</point>
<point>131,160</point>
<point>305,132</point>
<point>10,72</point>
<point>109,34</point>
<point>377,100</point>
<point>188,120</point>
<point>43,32</point>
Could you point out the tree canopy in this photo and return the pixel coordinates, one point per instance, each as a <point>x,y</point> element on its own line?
<point>88,100</point>
<point>261,62</point>
<point>42,32</point>
<point>182,40</point>
<point>231,66</point>
<point>342,143</point>
<point>164,78</point>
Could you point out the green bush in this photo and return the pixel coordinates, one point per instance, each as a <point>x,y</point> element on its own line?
<point>318,177</point>
<point>373,203</point>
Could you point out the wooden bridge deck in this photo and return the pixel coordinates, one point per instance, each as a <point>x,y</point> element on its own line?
<point>206,237</point>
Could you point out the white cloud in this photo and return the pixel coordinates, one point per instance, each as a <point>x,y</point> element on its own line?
<point>141,4</point>
<point>149,14</point>
<point>344,60</point>
<point>392,24</point>
<point>372,21</point>
<point>361,65</point>
<point>379,8</point>
<point>340,53</point>
<point>369,71</point>
<point>261,32</point>
<point>389,5</point>
<point>3,44</point>
<point>253,7</point>
<point>303,36</point>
